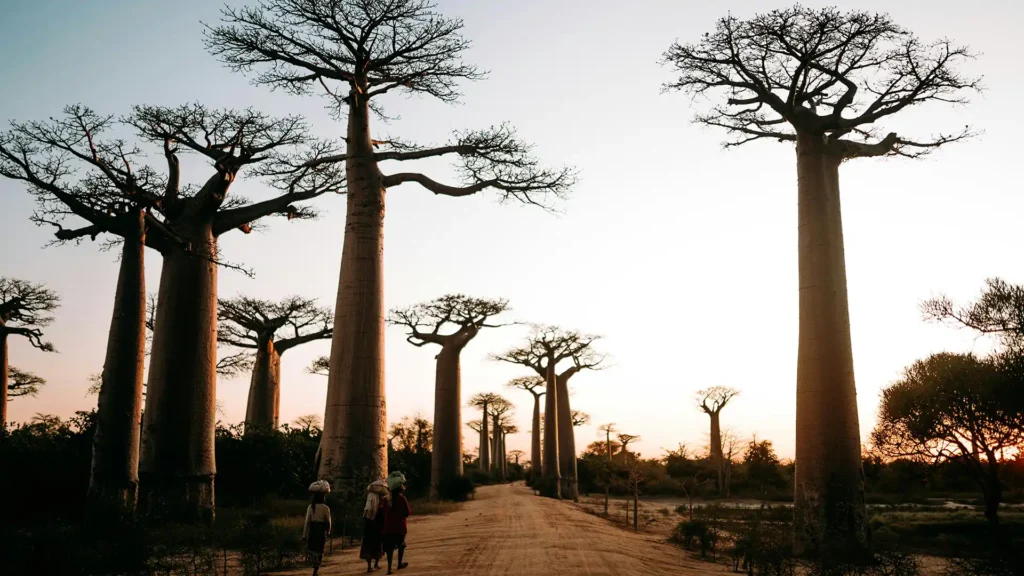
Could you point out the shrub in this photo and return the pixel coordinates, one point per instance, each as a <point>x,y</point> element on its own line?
<point>698,535</point>
<point>458,489</point>
<point>266,546</point>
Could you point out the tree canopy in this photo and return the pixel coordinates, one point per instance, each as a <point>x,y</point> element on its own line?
<point>712,400</point>
<point>356,51</point>
<point>22,383</point>
<point>998,310</point>
<point>426,321</point>
<point>24,310</point>
<point>822,72</point>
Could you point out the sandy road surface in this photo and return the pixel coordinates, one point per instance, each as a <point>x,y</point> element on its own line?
<point>509,531</point>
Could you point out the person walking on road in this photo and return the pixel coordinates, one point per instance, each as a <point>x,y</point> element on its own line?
<point>396,526</point>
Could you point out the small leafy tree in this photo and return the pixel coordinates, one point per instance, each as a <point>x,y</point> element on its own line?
<point>956,407</point>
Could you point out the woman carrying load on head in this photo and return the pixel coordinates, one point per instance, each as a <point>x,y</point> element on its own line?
<point>318,523</point>
<point>371,549</point>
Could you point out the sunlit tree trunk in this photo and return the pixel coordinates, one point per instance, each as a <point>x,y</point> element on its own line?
<point>485,444</point>
<point>716,450</point>
<point>177,464</point>
<point>263,410</point>
<point>496,446</point>
<point>566,439</point>
<point>536,466</point>
<point>446,454</point>
<point>354,449</point>
<point>829,485</point>
<point>114,475</point>
<point>552,483</point>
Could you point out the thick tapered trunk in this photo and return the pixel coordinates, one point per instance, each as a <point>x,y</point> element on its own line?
<point>716,451</point>
<point>536,466</point>
<point>263,410</point>
<point>354,449</point>
<point>552,480</point>
<point>566,440</point>
<point>829,504</point>
<point>4,377</point>
<point>177,465</point>
<point>114,475</point>
<point>496,446</point>
<point>504,455</point>
<point>608,479</point>
<point>446,455</point>
<point>485,443</point>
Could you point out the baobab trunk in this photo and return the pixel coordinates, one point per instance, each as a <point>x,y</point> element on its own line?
<point>552,482</point>
<point>262,412</point>
<point>716,450</point>
<point>446,454</point>
<point>566,440</point>
<point>354,448</point>
<point>114,475</point>
<point>3,377</point>
<point>504,455</point>
<point>536,466</point>
<point>496,446</point>
<point>177,464</point>
<point>829,482</point>
<point>485,444</point>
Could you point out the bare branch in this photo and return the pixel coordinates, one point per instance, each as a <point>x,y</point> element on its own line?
<point>22,383</point>
<point>251,323</point>
<point>820,72</point>
<point>463,315</point>
<point>370,47</point>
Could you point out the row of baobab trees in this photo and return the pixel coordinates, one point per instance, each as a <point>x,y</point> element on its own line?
<point>819,80</point>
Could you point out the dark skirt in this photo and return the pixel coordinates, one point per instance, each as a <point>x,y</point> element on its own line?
<point>393,542</point>
<point>371,549</point>
<point>317,537</point>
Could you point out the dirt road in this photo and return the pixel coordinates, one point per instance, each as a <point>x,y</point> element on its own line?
<point>509,531</point>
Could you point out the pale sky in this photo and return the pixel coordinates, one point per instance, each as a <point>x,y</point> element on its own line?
<point>683,255</point>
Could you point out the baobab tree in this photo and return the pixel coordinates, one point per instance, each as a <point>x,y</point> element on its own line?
<point>625,440</point>
<point>534,385</point>
<point>545,348</point>
<point>22,383</point>
<point>319,366</point>
<point>498,407</point>
<point>507,427</point>
<point>579,418</point>
<point>822,80</point>
<point>271,329</point>
<point>176,461</point>
<point>483,402</point>
<point>476,426</point>
<point>516,455</point>
<point>450,322</point>
<point>712,400</point>
<point>608,429</point>
<point>77,172</point>
<point>354,52</point>
<point>24,309</point>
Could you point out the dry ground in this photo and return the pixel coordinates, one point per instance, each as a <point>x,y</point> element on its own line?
<point>508,531</point>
